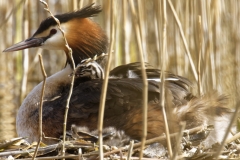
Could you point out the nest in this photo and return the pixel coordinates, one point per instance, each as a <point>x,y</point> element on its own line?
<point>83,144</point>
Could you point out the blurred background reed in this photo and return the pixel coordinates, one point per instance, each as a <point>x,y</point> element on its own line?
<point>211,29</point>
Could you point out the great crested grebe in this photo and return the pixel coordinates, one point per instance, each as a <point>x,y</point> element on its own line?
<point>124,95</point>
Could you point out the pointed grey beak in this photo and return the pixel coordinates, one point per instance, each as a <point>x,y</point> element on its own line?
<point>28,43</point>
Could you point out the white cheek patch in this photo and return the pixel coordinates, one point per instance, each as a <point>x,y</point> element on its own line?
<point>56,41</point>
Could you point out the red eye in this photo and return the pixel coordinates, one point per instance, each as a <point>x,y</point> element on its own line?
<point>53,31</point>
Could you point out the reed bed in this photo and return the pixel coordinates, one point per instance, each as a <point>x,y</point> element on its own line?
<point>205,31</point>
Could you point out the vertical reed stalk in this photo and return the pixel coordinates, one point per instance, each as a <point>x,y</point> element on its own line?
<point>144,75</point>
<point>41,104</point>
<point>162,77</point>
<point>105,82</point>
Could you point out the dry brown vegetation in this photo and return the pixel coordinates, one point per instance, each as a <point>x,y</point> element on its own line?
<point>216,37</point>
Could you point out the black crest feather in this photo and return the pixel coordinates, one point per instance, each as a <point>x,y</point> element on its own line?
<point>87,11</point>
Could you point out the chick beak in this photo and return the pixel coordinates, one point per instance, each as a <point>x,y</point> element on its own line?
<point>28,43</point>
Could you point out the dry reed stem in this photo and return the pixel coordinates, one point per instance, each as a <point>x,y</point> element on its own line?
<point>179,139</point>
<point>144,77</point>
<point>209,61</point>
<point>234,116</point>
<point>75,6</point>
<point>25,56</point>
<point>105,81</point>
<point>126,34</point>
<point>184,40</point>
<point>130,150</point>
<point>162,77</point>
<point>29,151</point>
<point>158,20</point>
<point>200,90</point>
<point>81,3</point>
<point>73,77</point>
<point>41,104</point>
<point>216,36</point>
<point>233,138</point>
<point>142,27</point>
<point>207,26</point>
